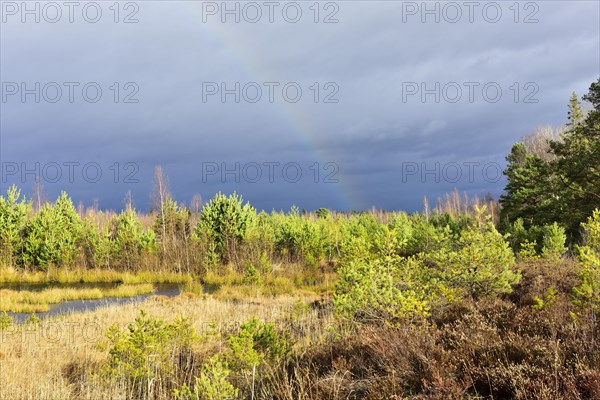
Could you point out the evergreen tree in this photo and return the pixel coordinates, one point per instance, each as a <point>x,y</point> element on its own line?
<point>13,214</point>
<point>565,186</point>
<point>225,221</point>
<point>528,192</point>
<point>577,163</point>
<point>52,236</point>
<point>575,111</point>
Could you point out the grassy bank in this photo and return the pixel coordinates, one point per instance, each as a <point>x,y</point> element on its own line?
<point>236,286</point>
<point>227,285</point>
<point>65,275</point>
<point>24,301</point>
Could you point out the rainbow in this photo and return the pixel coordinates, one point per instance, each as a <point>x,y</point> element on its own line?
<point>298,120</point>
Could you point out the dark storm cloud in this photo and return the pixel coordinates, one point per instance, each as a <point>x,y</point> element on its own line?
<point>373,134</point>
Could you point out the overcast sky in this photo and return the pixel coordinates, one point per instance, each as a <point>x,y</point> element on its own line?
<point>344,104</point>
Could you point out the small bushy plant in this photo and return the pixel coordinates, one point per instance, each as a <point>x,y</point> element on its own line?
<point>6,321</point>
<point>554,242</point>
<point>252,276</point>
<point>382,285</point>
<point>587,293</point>
<point>225,220</point>
<point>13,214</point>
<point>255,344</point>
<point>146,351</point>
<point>212,384</point>
<point>130,240</point>
<point>52,236</point>
<point>256,341</point>
<point>521,238</point>
<point>96,244</point>
<point>528,251</point>
<point>479,262</point>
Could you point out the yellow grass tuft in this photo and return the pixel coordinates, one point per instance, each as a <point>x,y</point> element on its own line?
<point>25,301</point>
<point>65,275</point>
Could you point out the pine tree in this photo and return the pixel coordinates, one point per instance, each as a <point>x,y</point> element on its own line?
<point>52,236</point>
<point>528,193</point>
<point>575,111</point>
<point>565,186</point>
<point>577,163</point>
<point>13,214</point>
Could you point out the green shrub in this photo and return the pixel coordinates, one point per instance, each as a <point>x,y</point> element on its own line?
<point>548,300</point>
<point>381,285</point>
<point>6,321</point>
<point>33,320</point>
<point>130,240</point>
<point>253,346</point>
<point>299,238</point>
<point>52,236</point>
<point>479,263</point>
<point>322,213</point>
<point>255,342</point>
<point>96,244</point>
<point>225,220</point>
<point>456,224</point>
<point>426,237</point>
<point>259,242</point>
<point>554,242</point>
<point>587,294</point>
<point>386,290</point>
<point>212,384</point>
<point>528,251</point>
<point>521,237</point>
<point>252,276</point>
<point>13,214</point>
<point>289,236</point>
<point>147,351</point>
<point>172,222</point>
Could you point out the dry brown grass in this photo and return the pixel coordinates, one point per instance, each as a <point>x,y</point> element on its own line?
<point>57,358</point>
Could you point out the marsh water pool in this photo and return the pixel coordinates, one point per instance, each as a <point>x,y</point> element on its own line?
<point>71,306</point>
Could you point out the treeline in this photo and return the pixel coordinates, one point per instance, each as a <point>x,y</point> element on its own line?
<point>224,233</point>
